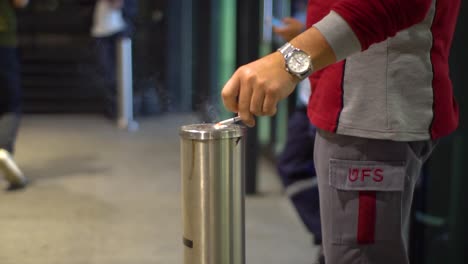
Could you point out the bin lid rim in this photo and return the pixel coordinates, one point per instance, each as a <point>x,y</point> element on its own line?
<point>209,131</point>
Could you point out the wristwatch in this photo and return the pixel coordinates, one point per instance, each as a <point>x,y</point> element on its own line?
<point>297,61</point>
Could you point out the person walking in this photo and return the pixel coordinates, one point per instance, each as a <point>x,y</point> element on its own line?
<point>10,92</point>
<point>112,20</point>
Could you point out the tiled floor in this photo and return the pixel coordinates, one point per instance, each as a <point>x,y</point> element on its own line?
<point>103,196</point>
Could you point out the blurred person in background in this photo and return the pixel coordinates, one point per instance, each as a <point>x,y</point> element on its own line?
<point>296,162</point>
<point>10,92</point>
<point>112,19</point>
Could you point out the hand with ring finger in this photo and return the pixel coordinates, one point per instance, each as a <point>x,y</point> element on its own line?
<point>256,88</point>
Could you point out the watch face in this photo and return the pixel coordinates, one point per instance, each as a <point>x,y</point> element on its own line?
<point>299,62</point>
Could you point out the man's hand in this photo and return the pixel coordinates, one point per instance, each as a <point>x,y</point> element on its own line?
<point>292,28</point>
<point>256,88</point>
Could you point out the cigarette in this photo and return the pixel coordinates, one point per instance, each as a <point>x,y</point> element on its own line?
<point>229,121</point>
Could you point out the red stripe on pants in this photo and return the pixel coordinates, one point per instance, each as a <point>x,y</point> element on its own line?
<point>366,218</point>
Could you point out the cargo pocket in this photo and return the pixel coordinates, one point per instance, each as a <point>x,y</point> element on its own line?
<point>365,201</point>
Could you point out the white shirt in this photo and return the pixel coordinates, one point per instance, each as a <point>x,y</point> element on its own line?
<point>304,91</point>
<point>107,20</point>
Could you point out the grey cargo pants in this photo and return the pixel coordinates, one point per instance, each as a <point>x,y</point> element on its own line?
<point>366,189</point>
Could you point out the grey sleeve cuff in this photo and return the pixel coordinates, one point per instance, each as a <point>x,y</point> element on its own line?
<point>339,35</point>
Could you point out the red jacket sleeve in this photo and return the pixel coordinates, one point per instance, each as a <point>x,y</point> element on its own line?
<point>374,21</point>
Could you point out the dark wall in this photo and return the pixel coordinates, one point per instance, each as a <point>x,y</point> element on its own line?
<point>442,232</point>
<point>57,62</point>
<point>59,59</point>
<point>202,57</point>
<point>149,54</point>
<point>458,216</point>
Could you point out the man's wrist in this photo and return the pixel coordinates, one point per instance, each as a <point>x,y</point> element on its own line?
<point>297,62</point>
<point>314,44</point>
<point>279,58</point>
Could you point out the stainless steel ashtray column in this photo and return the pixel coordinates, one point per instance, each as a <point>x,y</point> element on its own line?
<point>212,168</point>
